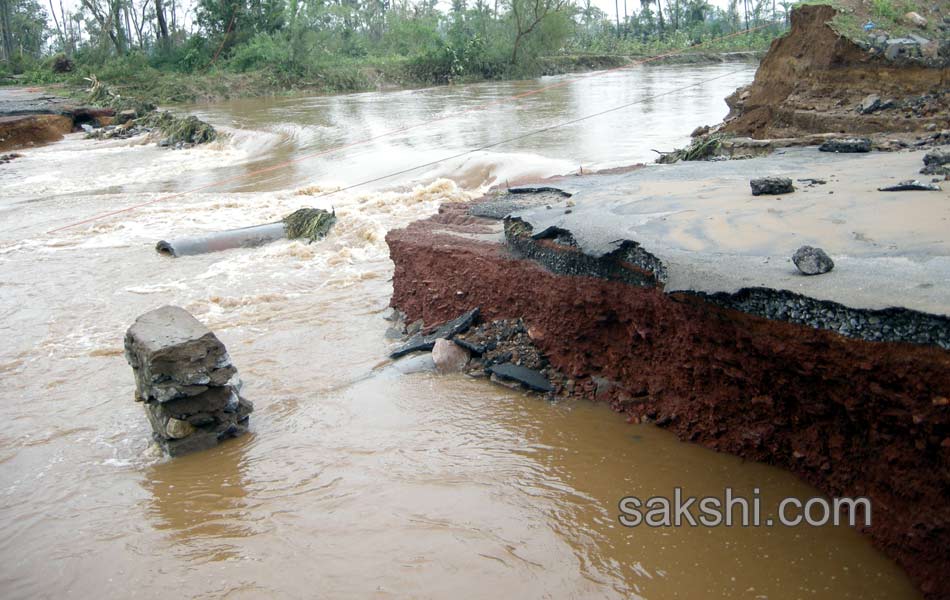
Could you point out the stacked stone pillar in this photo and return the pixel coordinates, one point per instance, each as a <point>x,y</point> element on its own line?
<point>185,379</point>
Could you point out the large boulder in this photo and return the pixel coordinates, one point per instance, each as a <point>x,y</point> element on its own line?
<point>184,376</point>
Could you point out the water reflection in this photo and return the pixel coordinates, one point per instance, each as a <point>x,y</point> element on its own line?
<point>201,500</point>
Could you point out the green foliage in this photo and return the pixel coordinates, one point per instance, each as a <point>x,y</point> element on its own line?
<point>884,9</point>
<point>263,50</point>
<point>270,46</point>
<point>28,29</point>
<point>186,130</point>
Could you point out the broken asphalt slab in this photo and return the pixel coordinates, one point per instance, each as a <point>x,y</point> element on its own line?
<point>698,221</point>
<point>422,342</point>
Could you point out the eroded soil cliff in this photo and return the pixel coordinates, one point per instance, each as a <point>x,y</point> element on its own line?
<point>814,80</point>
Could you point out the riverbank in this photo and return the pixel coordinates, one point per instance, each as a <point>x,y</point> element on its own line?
<point>215,85</point>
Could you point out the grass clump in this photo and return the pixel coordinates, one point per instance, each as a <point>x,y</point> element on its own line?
<point>702,148</point>
<point>311,224</point>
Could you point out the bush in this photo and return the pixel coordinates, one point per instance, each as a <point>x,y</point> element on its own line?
<point>263,50</point>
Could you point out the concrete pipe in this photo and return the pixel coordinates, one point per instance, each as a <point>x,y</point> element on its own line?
<point>245,237</point>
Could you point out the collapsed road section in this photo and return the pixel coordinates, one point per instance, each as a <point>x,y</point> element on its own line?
<point>670,293</point>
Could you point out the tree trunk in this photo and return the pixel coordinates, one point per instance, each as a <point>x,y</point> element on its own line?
<point>617,12</point>
<point>6,35</point>
<point>162,24</point>
<point>59,30</point>
<point>626,19</point>
<point>514,49</point>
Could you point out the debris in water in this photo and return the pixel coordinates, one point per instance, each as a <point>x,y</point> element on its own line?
<point>421,342</point>
<point>309,223</point>
<point>529,378</point>
<point>139,117</point>
<point>185,378</point>
<point>245,237</point>
<point>178,131</point>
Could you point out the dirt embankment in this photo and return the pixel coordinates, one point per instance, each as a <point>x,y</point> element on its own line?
<point>29,117</point>
<point>30,130</point>
<point>814,80</point>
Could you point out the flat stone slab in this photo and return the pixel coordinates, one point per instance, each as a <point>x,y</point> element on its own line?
<point>172,355</point>
<point>698,218</point>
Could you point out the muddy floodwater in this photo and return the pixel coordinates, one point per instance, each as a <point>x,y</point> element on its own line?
<point>356,480</point>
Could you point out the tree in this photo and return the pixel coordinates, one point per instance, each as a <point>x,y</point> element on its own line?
<point>23,29</point>
<point>527,15</point>
<point>109,19</point>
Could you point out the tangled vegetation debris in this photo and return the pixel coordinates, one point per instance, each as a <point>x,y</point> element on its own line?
<point>702,148</point>
<point>99,94</point>
<point>143,117</point>
<point>311,224</point>
<point>178,130</point>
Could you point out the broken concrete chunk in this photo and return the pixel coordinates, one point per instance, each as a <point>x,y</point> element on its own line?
<point>185,378</point>
<point>422,342</point>
<point>812,261</point>
<point>771,186</point>
<point>449,357</point>
<point>529,378</point>
<point>911,185</point>
<point>846,145</point>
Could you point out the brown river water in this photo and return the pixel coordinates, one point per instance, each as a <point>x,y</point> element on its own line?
<point>356,480</point>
